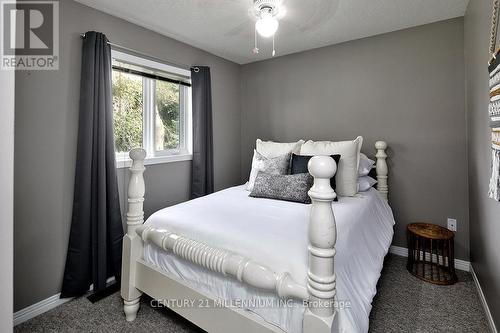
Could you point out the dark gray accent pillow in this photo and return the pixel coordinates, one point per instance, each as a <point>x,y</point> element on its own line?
<point>283,187</point>
<point>299,165</point>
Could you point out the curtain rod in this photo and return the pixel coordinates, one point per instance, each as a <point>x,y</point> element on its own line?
<point>151,76</point>
<point>183,66</point>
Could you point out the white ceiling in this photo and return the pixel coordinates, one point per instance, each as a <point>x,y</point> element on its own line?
<point>226,28</point>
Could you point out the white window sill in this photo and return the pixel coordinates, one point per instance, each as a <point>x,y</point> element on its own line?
<point>127,163</point>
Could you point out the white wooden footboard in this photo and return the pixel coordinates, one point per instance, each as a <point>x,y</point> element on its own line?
<point>320,291</point>
<point>224,262</point>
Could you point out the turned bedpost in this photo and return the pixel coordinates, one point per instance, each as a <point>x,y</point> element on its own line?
<point>132,243</point>
<point>381,168</point>
<point>320,316</point>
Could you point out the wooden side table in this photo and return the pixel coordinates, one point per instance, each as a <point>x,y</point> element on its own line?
<point>431,253</point>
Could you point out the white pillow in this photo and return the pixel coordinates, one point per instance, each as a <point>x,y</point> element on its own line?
<point>365,165</point>
<point>277,166</point>
<point>346,177</point>
<point>272,149</point>
<point>365,183</point>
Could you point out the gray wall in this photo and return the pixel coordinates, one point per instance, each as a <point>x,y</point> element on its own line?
<point>7,82</point>
<point>405,87</point>
<point>484,212</point>
<point>46,131</point>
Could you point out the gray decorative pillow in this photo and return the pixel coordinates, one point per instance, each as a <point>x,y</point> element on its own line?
<point>283,187</point>
<point>277,165</point>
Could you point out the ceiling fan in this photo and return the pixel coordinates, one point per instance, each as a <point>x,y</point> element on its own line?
<point>268,13</point>
<point>265,17</point>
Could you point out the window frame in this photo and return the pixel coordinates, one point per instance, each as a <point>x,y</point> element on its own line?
<point>185,152</point>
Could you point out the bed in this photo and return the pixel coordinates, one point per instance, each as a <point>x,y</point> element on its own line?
<point>229,262</point>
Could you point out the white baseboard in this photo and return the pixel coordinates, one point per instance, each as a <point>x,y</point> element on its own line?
<point>486,308</point>
<point>45,305</point>
<point>38,308</point>
<point>403,251</point>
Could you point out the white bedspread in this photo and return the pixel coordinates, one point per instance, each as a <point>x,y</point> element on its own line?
<point>274,233</point>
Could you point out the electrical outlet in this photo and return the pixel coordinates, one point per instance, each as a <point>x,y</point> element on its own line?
<point>452,224</point>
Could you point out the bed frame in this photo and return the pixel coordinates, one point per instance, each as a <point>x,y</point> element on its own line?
<point>208,312</point>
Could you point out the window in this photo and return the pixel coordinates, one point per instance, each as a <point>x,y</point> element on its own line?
<point>151,109</point>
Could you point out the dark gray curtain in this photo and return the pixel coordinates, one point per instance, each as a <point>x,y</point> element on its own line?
<point>95,242</point>
<point>202,178</point>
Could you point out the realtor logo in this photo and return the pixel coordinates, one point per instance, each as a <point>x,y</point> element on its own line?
<point>30,37</point>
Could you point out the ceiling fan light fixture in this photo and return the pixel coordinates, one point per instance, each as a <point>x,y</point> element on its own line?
<point>267,24</point>
<point>267,13</point>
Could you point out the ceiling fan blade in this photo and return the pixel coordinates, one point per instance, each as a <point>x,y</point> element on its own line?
<point>322,12</point>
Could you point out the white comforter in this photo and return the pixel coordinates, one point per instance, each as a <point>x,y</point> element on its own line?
<point>274,233</point>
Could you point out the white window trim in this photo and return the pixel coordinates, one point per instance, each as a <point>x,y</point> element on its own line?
<point>185,154</point>
<point>127,162</point>
<point>130,58</point>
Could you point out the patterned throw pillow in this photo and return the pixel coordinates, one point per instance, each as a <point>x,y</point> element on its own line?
<point>283,187</point>
<point>277,165</point>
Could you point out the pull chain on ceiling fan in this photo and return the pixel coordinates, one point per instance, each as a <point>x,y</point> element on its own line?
<point>266,12</point>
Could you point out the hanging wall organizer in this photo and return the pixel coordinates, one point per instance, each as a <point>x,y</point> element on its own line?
<point>494,106</point>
